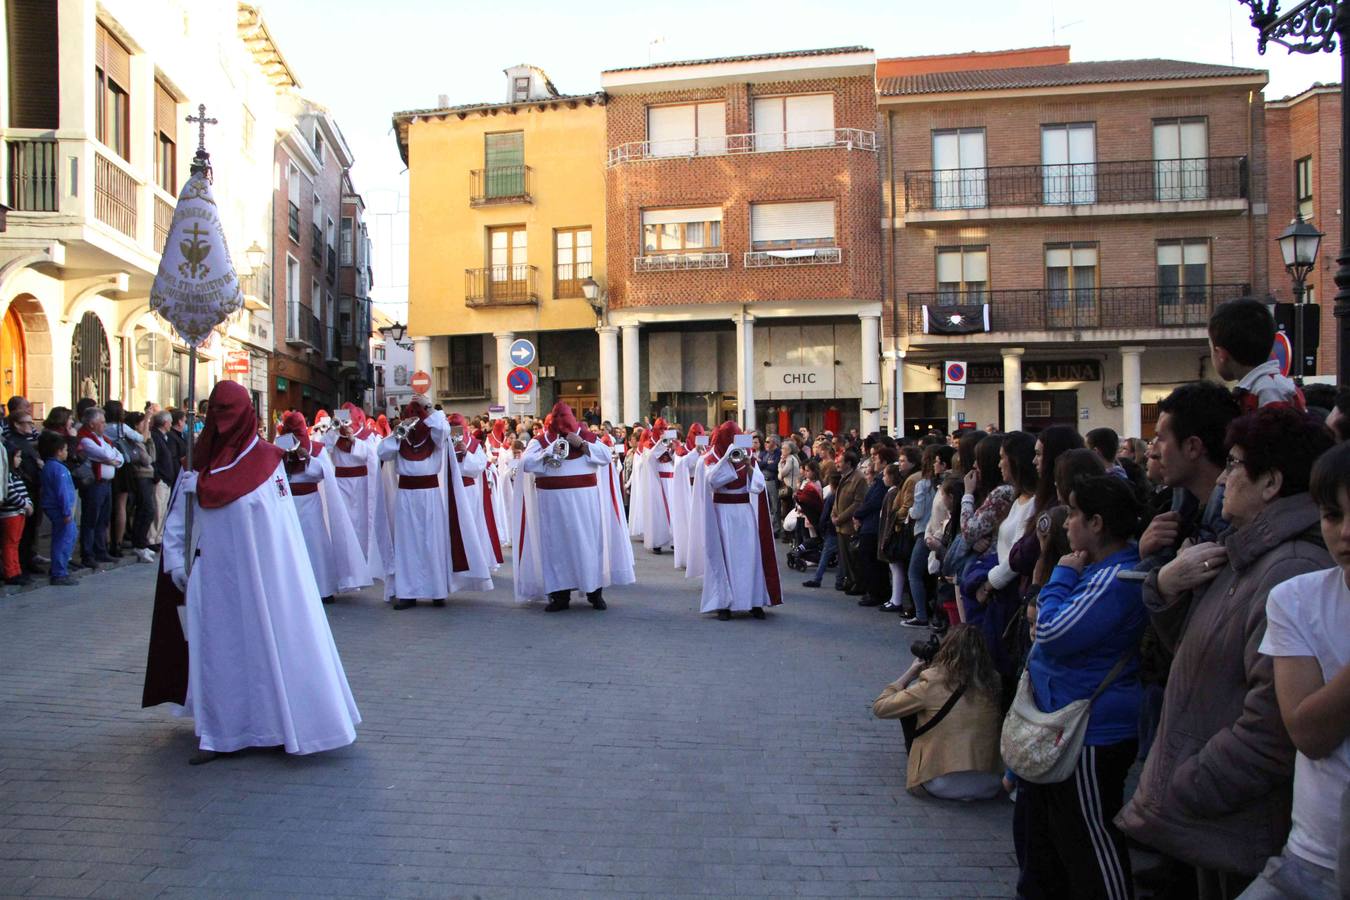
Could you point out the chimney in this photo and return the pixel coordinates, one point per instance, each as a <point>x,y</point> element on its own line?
<point>442,100</point>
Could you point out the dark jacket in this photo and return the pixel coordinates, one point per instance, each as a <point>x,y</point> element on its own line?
<point>826,511</point>
<point>847,498</point>
<point>1216,787</point>
<point>166,462</point>
<point>178,444</point>
<point>868,512</point>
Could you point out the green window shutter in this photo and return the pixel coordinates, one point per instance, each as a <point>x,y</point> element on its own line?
<point>504,159</point>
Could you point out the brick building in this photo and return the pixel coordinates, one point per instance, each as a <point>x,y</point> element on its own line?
<point>1065,230</point>
<point>1303,144</point>
<point>312,159</point>
<point>353,285</point>
<point>744,258</point>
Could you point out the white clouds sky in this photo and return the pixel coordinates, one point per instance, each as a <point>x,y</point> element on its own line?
<point>364,59</point>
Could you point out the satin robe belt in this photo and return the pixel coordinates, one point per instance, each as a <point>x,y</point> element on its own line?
<point>351,471</point>
<point>562,482</point>
<point>719,497</point>
<point>304,488</point>
<point>418,482</point>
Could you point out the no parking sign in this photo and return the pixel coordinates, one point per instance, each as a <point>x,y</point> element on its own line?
<point>954,374</point>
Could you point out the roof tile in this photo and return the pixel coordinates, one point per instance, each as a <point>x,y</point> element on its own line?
<point>825,51</point>
<point>1103,72</point>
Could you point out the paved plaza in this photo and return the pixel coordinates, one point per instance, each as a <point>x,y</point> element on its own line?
<point>642,751</point>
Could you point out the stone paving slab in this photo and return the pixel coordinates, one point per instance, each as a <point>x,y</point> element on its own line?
<point>643,751</point>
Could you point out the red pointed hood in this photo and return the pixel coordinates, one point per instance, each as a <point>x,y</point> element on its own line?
<point>294,423</point>
<point>722,440</point>
<point>695,430</point>
<point>230,456</point>
<point>382,425</point>
<point>361,427</point>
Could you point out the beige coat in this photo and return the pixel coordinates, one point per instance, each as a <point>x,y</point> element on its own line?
<point>852,491</point>
<point>965,741</point>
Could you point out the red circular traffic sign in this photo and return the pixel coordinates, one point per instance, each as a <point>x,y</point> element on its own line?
<point>519,380</point>
<point>956,373</point>
<point>1283,352</point>
<point>421,382</point>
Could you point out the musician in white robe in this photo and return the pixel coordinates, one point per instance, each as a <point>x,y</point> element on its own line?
<point>263,670</point>
<point>436,546</point>
<point>656,477</point>
<point>473,466</point>
<point>354,446</point>
<point>334,552</point>
<point>572,534</point>
<point>497,443</point>
<point>682,491</point>
<point>740,571</point>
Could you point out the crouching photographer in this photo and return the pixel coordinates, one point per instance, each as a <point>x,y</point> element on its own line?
<point>947,705</point>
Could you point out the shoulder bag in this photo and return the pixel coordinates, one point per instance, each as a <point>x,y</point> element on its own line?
<point>913,730</point>
<point>1042,747</point>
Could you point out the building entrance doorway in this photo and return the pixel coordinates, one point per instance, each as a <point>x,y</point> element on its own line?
<point>1041,409</point>
<point>13,356</point>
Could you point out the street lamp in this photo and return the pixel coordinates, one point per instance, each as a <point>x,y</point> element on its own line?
<point>256,256</point>
<point>1298,244</point>
<point>595,296</point>
<point>1318,26</point>
<point>395,331</point>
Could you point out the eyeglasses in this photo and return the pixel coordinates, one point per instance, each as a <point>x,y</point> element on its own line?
<point>1232,462</point>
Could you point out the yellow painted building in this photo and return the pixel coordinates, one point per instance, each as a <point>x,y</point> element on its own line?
<point>507,220</point>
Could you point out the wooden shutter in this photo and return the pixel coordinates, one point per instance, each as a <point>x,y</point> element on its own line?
<point>166,113</point>
<point>113,58</point>
<point>34,75</point>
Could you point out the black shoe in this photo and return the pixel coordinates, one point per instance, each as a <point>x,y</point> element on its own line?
<point>404,604</point>
<point>439,601</point>
<point>201,757</point>
<point>326,600</point>
<point>657,550</point>
<point>911,622</point>
<point>724,615</point>
<point>36,569</point>
<point>853,592</point>
<point>19,580</point>
<point>757,612</point>
<point>812,583</point>
<point>558,601</point>
<point>63,581</point>
<point>595,599</point>
<point>869,601</point>
<point>106,558</point>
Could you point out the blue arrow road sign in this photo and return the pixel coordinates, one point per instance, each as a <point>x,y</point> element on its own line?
<point>522,352</point>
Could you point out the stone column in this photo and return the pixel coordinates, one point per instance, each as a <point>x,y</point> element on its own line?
<point>870,419</point>
<point>745,370</point>
<point>632,410</point>
<point>895,383</point>
<point>1012,388</point>
<point>609,372</point>
<point>422,357</point>
<point>504,365</point>
<point>1132,422</point>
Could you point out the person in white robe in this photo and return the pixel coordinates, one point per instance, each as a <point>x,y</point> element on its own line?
<point>263,670</point>
<point>572,534</point>
<point>740,571</point>
<point>682,491</point>
<point>436,546</point>
<point>637,509</point>
<point>473,466</point>
<point>655,477</point>
<point>497,443</point>
<point>354,447</point>
<point>335,554</point>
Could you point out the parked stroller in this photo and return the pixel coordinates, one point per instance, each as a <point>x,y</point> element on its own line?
<point>805,556</point>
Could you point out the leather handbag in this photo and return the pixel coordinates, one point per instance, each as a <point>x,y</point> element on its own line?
<point>1042,747</point>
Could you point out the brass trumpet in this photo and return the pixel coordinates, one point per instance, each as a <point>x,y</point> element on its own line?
<point>404,428</point>
<point>737,455</point>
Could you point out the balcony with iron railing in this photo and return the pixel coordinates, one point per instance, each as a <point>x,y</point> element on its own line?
<point>163,221</point>
<point>806,256</point>
<point>501,286</point>
<point>732,144</point>
<point>303,327</point>
<point>1147,186</point>
<point>115,192</point>
<point>256,287</point>
<point>316,244</point>
<point>501,185</point>
<point>462,380</point>
<point>33,175</point>
<point>1076,309</point>
<point>331,344</point>
<point>293,221</point>
<point>331,265</point>
<point>680,262</point>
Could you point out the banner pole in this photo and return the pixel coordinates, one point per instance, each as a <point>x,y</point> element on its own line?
<point>190,432</point>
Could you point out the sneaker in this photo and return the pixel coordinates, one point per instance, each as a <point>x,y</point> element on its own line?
<point>912,622</point>
<point>811,584</point>
<point>63,581</point>
<point>145,554</point>
<point>40,559</point>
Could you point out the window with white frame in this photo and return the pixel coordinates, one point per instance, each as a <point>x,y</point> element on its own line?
<point>1071,276</point>
<point>346,241</point>
<point>799,120</point>
<point>1069,164</point>
<point>1180,151</point>
<point>689,129</point>
<point>1303,188</point>
<point>962,274</point>
<point>292,297</point>
<point>690,230</point>
<point>959,176</point>
<point>792,226</point>
<point>1183,272</point>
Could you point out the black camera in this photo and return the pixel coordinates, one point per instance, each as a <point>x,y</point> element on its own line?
<point>926,649</point>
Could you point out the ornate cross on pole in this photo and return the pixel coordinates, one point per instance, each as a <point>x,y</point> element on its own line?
<point>201,121</point>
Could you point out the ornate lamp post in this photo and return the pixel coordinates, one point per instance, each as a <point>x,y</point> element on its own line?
<point>1319,26</point>
<point>1298,245</point>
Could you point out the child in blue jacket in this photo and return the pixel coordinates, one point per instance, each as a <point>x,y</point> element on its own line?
<point>58,502</point>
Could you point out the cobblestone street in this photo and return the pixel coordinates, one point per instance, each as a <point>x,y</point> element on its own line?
<point>504,752</point>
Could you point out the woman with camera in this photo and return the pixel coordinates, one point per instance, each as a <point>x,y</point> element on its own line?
<point>948,705</point>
